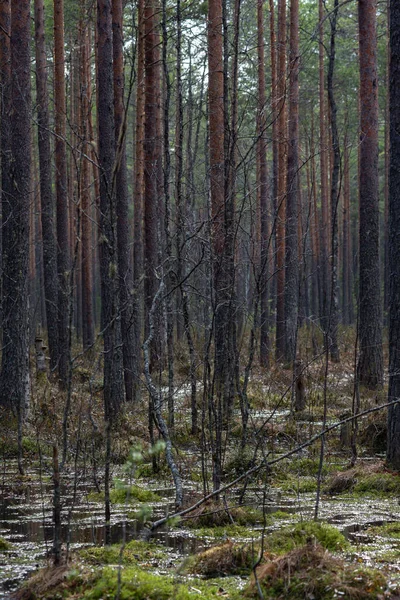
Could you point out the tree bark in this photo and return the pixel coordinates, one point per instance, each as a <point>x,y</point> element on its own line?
<point>393,446</point>
<point>331,330</point>
<point>292,199</point>
<point>125,267</point>
<point>152,166</point>
<point>86,222</point>
<point>63,257</point>
<point>281,183</point>
<point>370,365</point>
<point>46,193</point>
<point>262,183</point>
<point>113,376</point>
<point>15,389</point>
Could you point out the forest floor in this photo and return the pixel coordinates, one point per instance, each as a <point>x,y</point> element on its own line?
<point>261,540</point>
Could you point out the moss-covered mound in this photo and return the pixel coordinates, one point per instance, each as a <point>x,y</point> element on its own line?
<point>312,572</point>
<point>227,559</point>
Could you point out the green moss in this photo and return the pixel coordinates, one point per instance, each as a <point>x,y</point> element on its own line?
<point>378,484</point>
<point>135,551</point>
<point>311,572</point>
<point>4,545</point>
<point>281,514</point>
<point>137,584</point>
<point>215,515</point>
<point>227,531</point>
<point>227,559</point>
<point>298,485</point>
<point>126,493</point>
<point>290,537</point>
<point>390,530</point>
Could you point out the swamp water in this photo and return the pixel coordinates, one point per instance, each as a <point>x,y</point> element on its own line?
<point>26,523</point>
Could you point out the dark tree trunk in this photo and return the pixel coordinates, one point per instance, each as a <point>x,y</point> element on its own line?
<point>86,221</point>
<point>325,225</point>
<point>217,192</point>
<point>393,447</point>
<point>63,258</point>
<point>113,376</point>
<point>5,90</point>
<point>46,193</point>
<point>292,195</point>
<point>152,166</point>
<point>281,184</point>
<point>16,207</point>
<point>125,267</point>
<point>370,366</point>
<point>138,238</point>
<point>331,330</point>
<point>346,255</point>
<point>262,183</point>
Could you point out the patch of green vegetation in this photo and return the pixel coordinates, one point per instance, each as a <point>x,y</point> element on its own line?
<point>378,484</point>
<point>311,572</point>
<point>298,485</point>
<point>290,537</point>
<point>226,559</point>
<point>216,515</point>
<point>137,584</point>
<point>9,447</point>
<point>135,551</point>
<point>4,545</point>
<point>227,531</point>
<point>389,530</point>
<point>281,514</point>
<point>126,493</point>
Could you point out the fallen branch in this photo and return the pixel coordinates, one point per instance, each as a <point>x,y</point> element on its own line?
<point>265,463</point>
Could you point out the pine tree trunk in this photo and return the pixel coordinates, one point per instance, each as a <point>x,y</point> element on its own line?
<point>324,154</point>
<point>217,192</point>
<point>46,193</point>
<point>86,221</point>
<point>281,184</point>
<point>393,447</point>
<point>125,267</point>
<point>331,330</point>
<point>292,199</point>
<point>152,166</point>
<point>138,237</point>
<point>63,257</point>
<point>370,366</point>
<point>262,184</point>
<point>16,206</point>
<point>113,376</point>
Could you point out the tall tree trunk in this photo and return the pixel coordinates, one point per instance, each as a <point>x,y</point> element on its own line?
<point>152,165</point>
<point>370,365</point>
<point>16,206</point>
<point>281,183</point>
<point>346,269</point>
<point>180,218</point>
<point>63,257</point>
<point>113,376</point>
<point>86,221</point>
<point>217,192</point>
<point>331,330</point>
<point>262,182</point>
<point>5,98</point>
<point>292,195</point>
<point>393,447</point>
<point>125,267</point>
<point>139,191</point>
<point>46,193</point>
<point>275,159</point>
<point>324,154</point>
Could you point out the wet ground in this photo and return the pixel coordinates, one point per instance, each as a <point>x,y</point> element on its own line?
<point>26,522</point>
